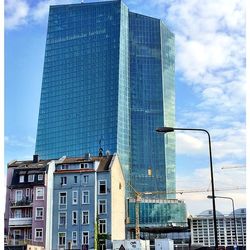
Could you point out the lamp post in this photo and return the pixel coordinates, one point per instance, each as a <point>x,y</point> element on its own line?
<point>235,228</point>
<point>171,129</point>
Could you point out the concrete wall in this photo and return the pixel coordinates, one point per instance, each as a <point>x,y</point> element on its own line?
<point>117,201</point>
<point>49,205</point>
<point>7,203</point>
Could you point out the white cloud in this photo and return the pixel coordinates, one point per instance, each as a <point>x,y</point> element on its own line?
<point>188,144</point>
<point>212,62</point>
<point>20,12</point>
<point>40,11</point>
<point>197,186</point>
<point>227,142</point>
<point>24,142</point>
<point>210,55</point>
<point>16,12</point>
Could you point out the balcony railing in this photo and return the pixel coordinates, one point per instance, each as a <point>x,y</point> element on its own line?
<point>21,203</point>
<point>20,221</point>
<point>14,242</point>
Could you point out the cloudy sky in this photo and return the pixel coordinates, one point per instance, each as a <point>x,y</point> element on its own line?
<point>210,88</point>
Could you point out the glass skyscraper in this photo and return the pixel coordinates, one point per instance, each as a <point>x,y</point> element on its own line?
<point>108,80</point>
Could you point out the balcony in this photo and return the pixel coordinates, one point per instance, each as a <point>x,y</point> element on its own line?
<point>21,203</point>
<point>16,242</point>
<point>20,222</point>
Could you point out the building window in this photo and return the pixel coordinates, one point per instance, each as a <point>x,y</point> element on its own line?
<point>85,197</point>
<point>17,213</point>
<point>102,244</point>
<point>102,187</point>
<point>18,195</point>
<point>63,180</point>
<point>63,198</point>
<point>39,213</point>
<point>21,178</point>
<point>84,165</point>
<point>38,234</point>
<point>74,238</point>
<point>16,234</point>
<point>28,213</point>
<point>27,193</point>
<point>64,167</point>
<point>85,238</point>
<point>85,217</point>
<point>61,239</point>
<point>85,179</point>
<point>74,217</point>
<point>102,226</point>
<point>39,193</point>
<point>62,218</point>
<point>74,197</point>
<point>31,178</point>
<point>75,179</point>
<point>102,206</point>
<point>40,177</point>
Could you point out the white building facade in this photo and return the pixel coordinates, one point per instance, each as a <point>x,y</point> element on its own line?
<point>202,229</point>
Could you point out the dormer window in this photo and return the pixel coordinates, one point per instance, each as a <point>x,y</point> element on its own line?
<point>84,165</point>
<point>31,178</point>
<point>21,178</point>
<point>40,177</point>
<point>64,167</point>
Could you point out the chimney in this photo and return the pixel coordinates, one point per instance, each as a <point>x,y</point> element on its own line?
<point>87,156</point>
<point>35,158</point>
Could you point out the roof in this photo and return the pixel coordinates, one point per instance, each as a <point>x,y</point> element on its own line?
<point>209,213</point>
<point>104,162</point>
<point>15,182</point>
<point>239,212</point>
<point>28,164</point>
<point>83,4</point>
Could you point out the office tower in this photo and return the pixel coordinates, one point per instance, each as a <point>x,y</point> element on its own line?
<point>151,65</point>
<point>108,82</point>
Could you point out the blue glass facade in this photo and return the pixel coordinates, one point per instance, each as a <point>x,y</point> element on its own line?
<point>85,87</point>
<point>152,102</point>
<point>155,213</point>
<point>109,76</point>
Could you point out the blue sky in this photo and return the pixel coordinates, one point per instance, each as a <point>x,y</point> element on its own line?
<point>210,87</point>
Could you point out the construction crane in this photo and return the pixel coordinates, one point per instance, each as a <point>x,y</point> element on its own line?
<point>231,167</point>
<point>137,211</point>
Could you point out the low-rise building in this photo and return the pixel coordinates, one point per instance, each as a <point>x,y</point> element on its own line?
<point>88,203</point>
<point>26,203</point>
<point>202,229</point>
<point>76,203</point>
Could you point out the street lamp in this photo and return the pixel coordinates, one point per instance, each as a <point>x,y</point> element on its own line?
<point>235,228</point>
<point>171,129</point>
